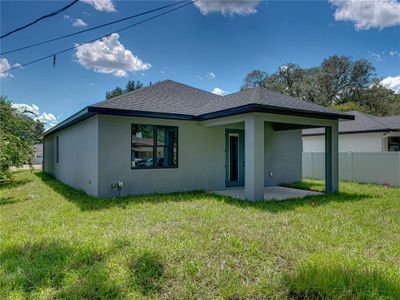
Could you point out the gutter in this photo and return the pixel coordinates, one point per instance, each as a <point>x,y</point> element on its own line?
<point>90,111</point>
<point>274,110</point>
<point>351,132</point>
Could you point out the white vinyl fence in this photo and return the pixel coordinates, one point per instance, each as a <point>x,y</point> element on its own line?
<point>367,167</point>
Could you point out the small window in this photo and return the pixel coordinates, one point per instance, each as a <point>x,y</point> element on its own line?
<point>57,150</point>
<point>394,143</point>
<point>154,146</point>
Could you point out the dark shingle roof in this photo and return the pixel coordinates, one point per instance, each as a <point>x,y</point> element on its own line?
<point>266,97</point>
<point>170,99</point>
<point>362,123</point>
<point>162,97</point>
<point>390,121</point>
<point>175,98</point>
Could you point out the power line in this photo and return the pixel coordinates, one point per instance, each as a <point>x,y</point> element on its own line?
<point>92,28</point>
<point>39,19</point>
<point>95,39</point>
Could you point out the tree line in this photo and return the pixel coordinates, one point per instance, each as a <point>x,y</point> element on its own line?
<point>130,87</point>
<point>339,82</point>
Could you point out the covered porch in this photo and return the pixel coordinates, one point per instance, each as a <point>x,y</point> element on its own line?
<point>252,172</point>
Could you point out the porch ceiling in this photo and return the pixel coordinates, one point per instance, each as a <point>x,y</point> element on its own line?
<point>285,126</point>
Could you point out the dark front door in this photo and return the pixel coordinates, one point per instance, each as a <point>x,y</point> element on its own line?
<point>234,152</point>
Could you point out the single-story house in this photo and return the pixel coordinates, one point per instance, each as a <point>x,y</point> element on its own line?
<point>171,137</point>
<point>366,133</point>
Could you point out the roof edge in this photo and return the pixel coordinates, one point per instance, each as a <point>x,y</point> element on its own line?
<point>247,108</point>
<point>139,113</point>
<point>351,132</point>
<point>90,111</point>
<point>75,118</point>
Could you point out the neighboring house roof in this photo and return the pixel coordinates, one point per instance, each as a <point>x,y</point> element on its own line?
<point>390,121</point>
<point>173,100</point>
<point>362,123</point>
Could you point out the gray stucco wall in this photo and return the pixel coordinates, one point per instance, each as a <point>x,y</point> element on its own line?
<point>78,156</point>
<point>283,155</point>
<point>201,157</point>
<point>96,153</point>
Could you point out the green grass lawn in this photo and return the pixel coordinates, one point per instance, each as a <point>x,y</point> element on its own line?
<point>57,242</point>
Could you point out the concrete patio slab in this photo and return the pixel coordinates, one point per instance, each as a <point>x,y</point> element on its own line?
<point>270,193</point>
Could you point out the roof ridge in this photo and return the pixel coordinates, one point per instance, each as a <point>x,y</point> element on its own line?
<point>257,93</point>
<point>302,100</point>
<point>129,93</point>
<point>116,98</point>
<point>189,86</point>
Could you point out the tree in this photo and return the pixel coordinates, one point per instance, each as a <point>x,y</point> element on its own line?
<point>18,133</point>
<point>350,106</point>
<point>379,100</point>
<point>340,79</point>
<point>114,93</point>
<point>255,78</point>
<point>338,82</point>
<point>130,87</point>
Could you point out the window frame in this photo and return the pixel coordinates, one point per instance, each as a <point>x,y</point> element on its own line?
<point>388,143</point>
<point>155,146</point>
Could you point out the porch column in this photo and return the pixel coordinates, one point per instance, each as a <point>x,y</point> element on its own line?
<point>331,159</point>
<point>254,159</point>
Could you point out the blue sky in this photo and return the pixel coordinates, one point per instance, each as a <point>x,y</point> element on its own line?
<point>211,45</point>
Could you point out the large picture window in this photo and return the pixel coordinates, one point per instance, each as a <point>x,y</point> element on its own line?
<point>154,146</point>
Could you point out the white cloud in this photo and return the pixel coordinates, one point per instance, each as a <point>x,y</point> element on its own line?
<point>228,7</point>
<point>376,56</point>
<point>210,75</point>
<point>392,82</point>
<point>101,5</point>
<point>26,108</point>
<point>109,56</point>
<point>5,65</point>
<point>368,14</point>
<point>79,23</point>
<point>219,91</point>
<point>47,118</point>
<point>394,53</point>
<point>76,22</point>
<point>33,111</point>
